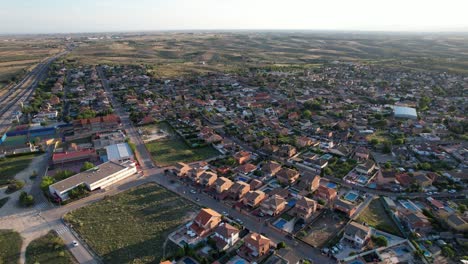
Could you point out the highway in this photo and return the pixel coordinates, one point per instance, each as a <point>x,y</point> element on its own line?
<point>20,93</point>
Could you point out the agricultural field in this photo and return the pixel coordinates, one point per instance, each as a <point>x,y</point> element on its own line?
<point>10,166</point>
<point>48,249</point>
<point>376,216</point>
<point>10,246</point>
<point>154,213</point>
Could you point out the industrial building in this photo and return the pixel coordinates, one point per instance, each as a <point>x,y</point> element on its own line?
<point>119,152</point>
<point>98,177</point>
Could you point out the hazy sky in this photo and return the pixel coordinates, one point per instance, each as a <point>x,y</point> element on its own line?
<point>50,16</point>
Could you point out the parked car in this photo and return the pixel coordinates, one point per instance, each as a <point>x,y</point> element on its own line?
<point>74,243</point>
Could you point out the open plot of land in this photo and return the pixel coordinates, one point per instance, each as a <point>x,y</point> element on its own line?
<point>376,216</point>
<point>132,226</point>
<point>48,249</point>
<point>10,166</point>
<point>323,229</point>
<point>10,245</point>
<point>170,151</point>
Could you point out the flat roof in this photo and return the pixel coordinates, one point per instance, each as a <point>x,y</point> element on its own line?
<point>89,177</point>
<point>118,151</point>
<point>404,111</point>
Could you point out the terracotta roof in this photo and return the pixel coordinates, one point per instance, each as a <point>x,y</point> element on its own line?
<point>205,215</point>
<point>226,230</point>
<point>57,157</point>
<point>256,240</point>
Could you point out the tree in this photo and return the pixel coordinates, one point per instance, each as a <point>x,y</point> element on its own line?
<point>14,186</point>
<point>46,182</point>
<point>26,199</point>
<point>380,241</point>
<point>281,245</point>
<point>448,251</point>
<point>86,166</point>
<point>307,114</point>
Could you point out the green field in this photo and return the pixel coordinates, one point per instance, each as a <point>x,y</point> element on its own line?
<point>376,216</point>
<point>168,152</point>
<point>131,227</point>
<point>48,249</point>
<point>10,246</point>
<point>10,166</point>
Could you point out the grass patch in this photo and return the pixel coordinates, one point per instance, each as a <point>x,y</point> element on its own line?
<point>10,166</point>
<point>170,151</point>
<point>376,216</point>
<point>10,246</point>
<point>132,226</point>
<point>3,201</point>
<point>48,249</point>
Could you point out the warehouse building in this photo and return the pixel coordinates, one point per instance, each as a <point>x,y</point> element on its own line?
<point>405,112</point>
<point>98,177</point>
<point>119,152</point>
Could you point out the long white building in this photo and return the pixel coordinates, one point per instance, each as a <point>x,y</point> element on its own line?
<point>98,177</point>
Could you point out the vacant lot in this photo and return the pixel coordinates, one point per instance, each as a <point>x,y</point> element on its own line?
<point>132,226</point>
<point>376,216</point>
<point>10,166</point>
<point>48,249</point>
<point>170,151</point>
<point>323,229</point>
<point>10,245</point>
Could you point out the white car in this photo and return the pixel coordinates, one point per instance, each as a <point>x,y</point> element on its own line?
<point>74,243</point>
<point>452,191</point>
<point>193,191</point>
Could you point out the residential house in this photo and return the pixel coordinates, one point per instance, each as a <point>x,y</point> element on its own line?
<point>270,168</point>
<point>422,180</point>
<point>274,205</point>
<point>246,168</point>
<point>254,198</point>
<point>309,181</point>
<point>366,168</point>
<point>181,169</point>
<point>305,208</point>
<point>386,177</point>
<point>287,176</point>
<point>242,157</point>
<point>357,234</point>
<point>457,222</point>
<point>195,173</point>
<point>208,178</point>
<point>257,244</point>
<point>361,153</point>
<point>326,193</point>
<point>225,236</point>
<point>415,221</point>
<point>205,222</point>
<point>287,151</point>
<point>345,206</point>
<point>222,184</point>
<point>239,190</point>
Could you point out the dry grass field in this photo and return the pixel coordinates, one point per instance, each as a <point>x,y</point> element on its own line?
<point>176,53</point>
<point>19,54</point>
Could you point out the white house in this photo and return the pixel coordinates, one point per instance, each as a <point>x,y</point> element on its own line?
<point>225,236</point>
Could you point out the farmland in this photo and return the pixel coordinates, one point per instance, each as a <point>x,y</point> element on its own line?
<point>153,211</point>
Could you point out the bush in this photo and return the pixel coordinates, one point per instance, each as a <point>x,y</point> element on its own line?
<point>46,181</point>
<point>86,166</point>
<point>281,245</point>
<point>380,241</point>
<point>14,186</point>
<point>26,199</point>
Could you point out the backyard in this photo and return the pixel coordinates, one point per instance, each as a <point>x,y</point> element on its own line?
<point>10,245</point>
<point>376,216</point>
<point>323,229</point>
<point>48,249</point>
<point>153,212</point>
<point>10,166</point>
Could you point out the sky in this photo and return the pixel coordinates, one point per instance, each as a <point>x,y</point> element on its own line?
<point>75,16</point>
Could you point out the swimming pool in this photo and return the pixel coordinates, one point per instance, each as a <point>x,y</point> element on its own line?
<point>401,251</point>
<point>243,179</point>
<point>351,196</point>
<point>326,157</point>
<point>189,261</point>
<point>362,179</point>
<point>239,261</point>
<point>357,262</point>
<point>409,205</point>
<point>331,185</point>
<point>292,202</point>
<point>280,223</point>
